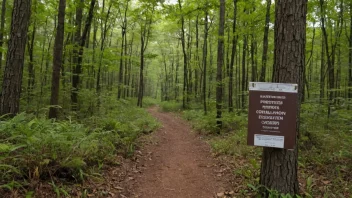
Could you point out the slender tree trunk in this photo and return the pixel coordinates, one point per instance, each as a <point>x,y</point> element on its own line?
<point>57,60</point>
<point>253,57</point>
<point>78,70</point>
<point>104,30</point>
<point>331,70</point>
<point>77,37</point>
<point>145,33</point>
<point>205,53</point>
<point>196,71</point>
<point>220,62</point>
<point>244,80</point>
<point>265,41</point>
<point>309,62</point>
<point>279,166</point>
<point>141,77</point>
<point>2,29</point>
<point>233,52</point>
<point>185,60</point>
<point>322,72</point>
<point>350,57</point>
<point>11,86</point>
<point>123,43</point>
<point>31,72</point>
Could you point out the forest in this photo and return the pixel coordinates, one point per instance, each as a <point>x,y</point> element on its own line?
<point>80,80</point>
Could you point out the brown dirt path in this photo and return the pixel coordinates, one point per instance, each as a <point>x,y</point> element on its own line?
<point>179,165</point>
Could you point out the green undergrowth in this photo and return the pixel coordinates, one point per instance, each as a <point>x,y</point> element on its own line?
<point>170,106</point>
<point>38,149</point>
<point>325,156</point>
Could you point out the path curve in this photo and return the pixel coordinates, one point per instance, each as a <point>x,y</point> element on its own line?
<point>179,165</point>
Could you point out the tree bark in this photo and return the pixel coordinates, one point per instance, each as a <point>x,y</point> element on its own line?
<point>11,86</point>
<point>185,60</point>
<point>350,57</point>
<point>279,166</point>
<point>145,33</point>
<point>220,62</point>
<point>30,45</point>
<point>205,55</point>
<point>234,44</point>
<point>57,60</point>
<point>123,43</point>
<point>78,69</point>
<point>2,29</point>
<point>244,80</point>
<point>265,41</point>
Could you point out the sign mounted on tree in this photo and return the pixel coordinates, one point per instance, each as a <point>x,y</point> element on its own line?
<point>272,114</point>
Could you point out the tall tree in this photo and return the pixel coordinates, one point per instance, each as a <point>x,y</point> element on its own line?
<point>185,60</point>
<point>30,46</point>
<point>79,56</point>
<point>279,166</point>
<point>220,62</point>
<point>11,86</point>
<point>265,41</point>
<point>204,61</point>
<point>234,47</point>
<point>123,50</point>
<point>144,36</point>
<point>2,28</point>
<point>350,57</point>
<point>57,60</point>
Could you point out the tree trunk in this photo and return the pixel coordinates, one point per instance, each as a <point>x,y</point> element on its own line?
<point>145,33</point>
<point>31,72</point>
<point>244,80</point>
<point>253,57</point>
<point>77,37</point>
<point>322,72</point>
<point>265,42</point>
<point>279,166</point>
<point>234,44</point>
<point>350,57</point>
<point>205,53</point>
<point>57,60</point>
<point>30,46</point>
<point>104,30</point>
<point>185,60</point>
<point>220,62</point>
<point>78,69</point>
<point>123,43</point>
<point>11,86</point>
<point>2,29</point>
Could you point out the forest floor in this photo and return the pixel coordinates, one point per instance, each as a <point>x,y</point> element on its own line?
<point>175,162</point>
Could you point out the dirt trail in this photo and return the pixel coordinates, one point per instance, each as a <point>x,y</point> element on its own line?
<point>179,165</point>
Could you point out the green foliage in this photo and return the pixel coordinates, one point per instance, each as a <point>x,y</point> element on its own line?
<point>171,106</point>
<point>37,148</point>
<point>324,143</point>
<point>206,123</point>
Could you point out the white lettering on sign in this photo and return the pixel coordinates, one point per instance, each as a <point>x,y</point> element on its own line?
<point>271,112</point>
<point>275,97</point>
<point>277,123</point>
<point>270,102</point>
<point>271,107</point>
<point>269,140</point>
<point>262,117</point>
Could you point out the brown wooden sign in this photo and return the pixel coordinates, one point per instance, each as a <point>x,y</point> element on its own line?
<point>272,115</point>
